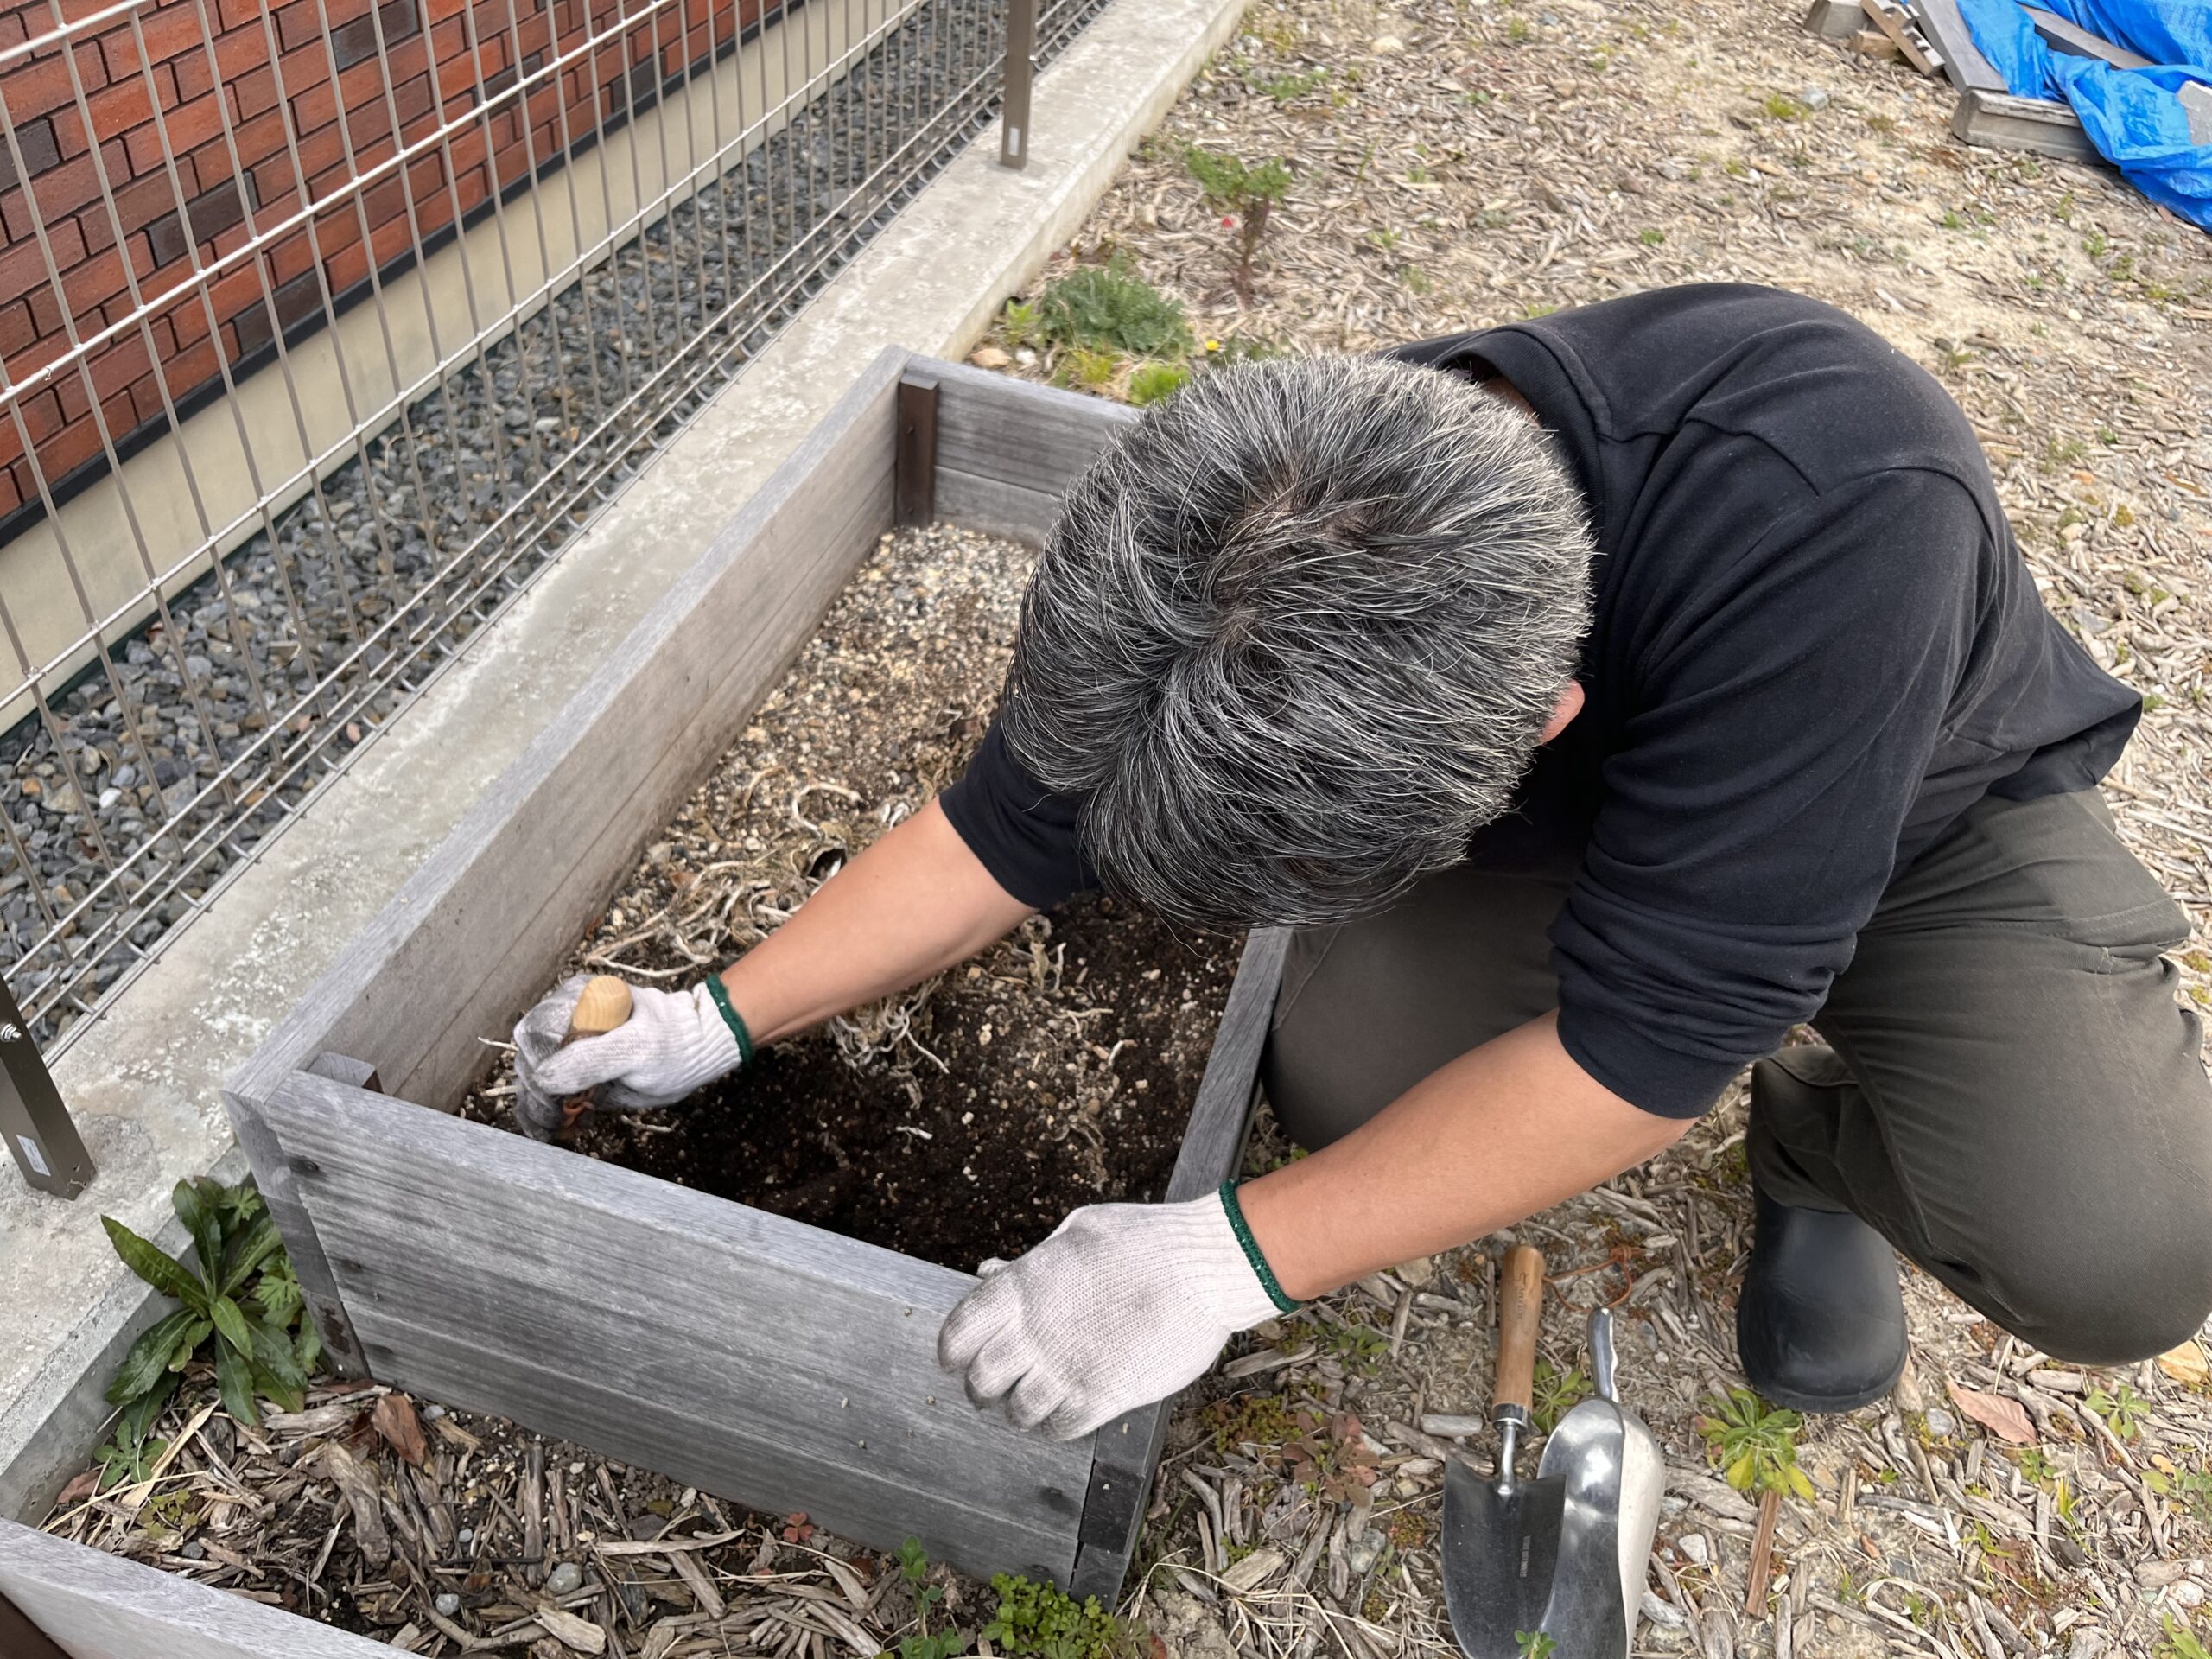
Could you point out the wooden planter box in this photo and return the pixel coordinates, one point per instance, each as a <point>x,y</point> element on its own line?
<point>762,1359</point>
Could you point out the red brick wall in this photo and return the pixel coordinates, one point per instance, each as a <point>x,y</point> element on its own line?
<point>274,90</point>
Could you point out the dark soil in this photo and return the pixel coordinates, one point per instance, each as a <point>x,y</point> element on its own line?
<point>966,1118</point>
<point>985,1158</point>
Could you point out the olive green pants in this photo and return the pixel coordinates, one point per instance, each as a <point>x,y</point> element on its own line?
<point>2008,1091</point>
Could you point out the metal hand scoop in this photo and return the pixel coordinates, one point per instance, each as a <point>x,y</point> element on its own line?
<point>1563,1556</point>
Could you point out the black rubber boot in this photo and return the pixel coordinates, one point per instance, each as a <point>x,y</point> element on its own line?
<point>1821,1324</point>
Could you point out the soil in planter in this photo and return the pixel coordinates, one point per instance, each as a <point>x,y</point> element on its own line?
<point>964,1119</point>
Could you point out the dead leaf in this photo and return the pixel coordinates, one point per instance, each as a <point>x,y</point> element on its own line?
<point>578,1634</point>
<point>2006,1419</point>
<point>988,357</point>
<point>83,1487</point>
<point>2186,1365</point>
<point>395,1419</point>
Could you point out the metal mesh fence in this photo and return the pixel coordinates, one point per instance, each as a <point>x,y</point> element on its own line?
<point>690,172</point>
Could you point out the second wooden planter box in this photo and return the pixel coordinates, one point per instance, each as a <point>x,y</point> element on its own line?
<point>756,1357</point>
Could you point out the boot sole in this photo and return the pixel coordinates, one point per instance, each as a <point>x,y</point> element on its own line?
<point>1827,1405</point>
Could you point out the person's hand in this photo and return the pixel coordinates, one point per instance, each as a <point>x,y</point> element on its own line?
<point>673,1043</point>
<point>1123,1305</point>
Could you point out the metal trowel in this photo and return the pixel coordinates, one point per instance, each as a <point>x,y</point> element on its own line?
<point>1563,1556</point>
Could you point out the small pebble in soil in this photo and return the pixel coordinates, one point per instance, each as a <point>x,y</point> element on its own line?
<point>565,1579</point>
<point>1941,1422</point>
<point>448,1605</point>
<point>1692,1545</point>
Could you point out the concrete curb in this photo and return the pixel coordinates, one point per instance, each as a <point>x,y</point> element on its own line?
<point>145,1084</point>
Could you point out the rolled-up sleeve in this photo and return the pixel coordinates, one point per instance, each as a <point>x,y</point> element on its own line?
<point>1751,818</point>
<point>1023,833</point>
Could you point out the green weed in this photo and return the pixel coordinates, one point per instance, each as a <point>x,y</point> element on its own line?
<point>1242,192</point>
<point>1651,236</point>
<point>914,1566</point>
<point>2120,1410</point>
<point>1151,382</point>
<point>1780,106</point>
<point>1039,1618</point>
<point>242,1299</point>
<point>1557,1393</point>
<point>1019,323</point>
<point>1534,1644</point>
<point>1755,1445</point>
<point>1104,308</point>
<point>2181,1642</point>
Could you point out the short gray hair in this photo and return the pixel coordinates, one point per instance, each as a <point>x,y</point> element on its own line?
<point>1296,634</point>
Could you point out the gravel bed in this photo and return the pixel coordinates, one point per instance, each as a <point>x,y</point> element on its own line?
<point>241,649</point>
<point>1460,162</point>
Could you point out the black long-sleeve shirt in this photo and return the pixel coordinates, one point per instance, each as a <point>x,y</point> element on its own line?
<point>1814,643</point>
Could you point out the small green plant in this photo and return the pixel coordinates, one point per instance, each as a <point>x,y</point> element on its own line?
<point>1651,236</point>
<point>1106,308</point>
<point>1534,1644</point>
<point>2181,1642</point>
<point>1284,88</point>
<point>1151,382</point>
<point>1244,195</point>
<point>2094,244</point>
<point>2121,1411</point>
<point>1042,1619</point>
<point>130,1456</point>
<point>1520,32</point>
<point>1088,369</point>
<point>241,1265</point>
<point>914,1567</point>
<point>1755,1445</point>
<point>1557,1393</point>
<point>1780,106</point>
<point>1019,323</point>
<point>2035,1465</point>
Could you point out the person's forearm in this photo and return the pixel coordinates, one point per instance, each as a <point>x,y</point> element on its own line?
<point>1502,1132</point>
<point>914,903</point>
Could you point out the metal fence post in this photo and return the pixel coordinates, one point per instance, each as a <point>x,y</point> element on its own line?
<point>1021,71</point>
<point>47,1148</point>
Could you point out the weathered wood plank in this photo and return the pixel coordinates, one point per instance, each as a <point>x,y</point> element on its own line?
<point>1963,64</point>
<point>1127,1449</point>
<point>2068,36</point>
<point>1036,437</point>
<point>1997,121</point>
<point>415,990</point>
<point>100,1606</point>
<point>753,1355</point>
<point>996,507</point>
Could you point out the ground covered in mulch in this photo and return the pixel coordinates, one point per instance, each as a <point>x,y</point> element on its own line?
<point>1460,162</point>
<point>961,1120</point>
<point>440,1532</point>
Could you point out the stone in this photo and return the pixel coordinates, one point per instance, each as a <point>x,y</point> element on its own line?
<point>1695,1548</point>
<point>448,1605</point>
<point>1814,98</point>
<point>1420,1271</point>
<point>1941,1423</point>
<point>565,1579</point>
<point>989,357</point>
<point>2086,1644</point>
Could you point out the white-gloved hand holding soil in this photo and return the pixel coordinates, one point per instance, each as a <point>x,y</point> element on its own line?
<point>1123,1305</point>
<point>673,1044</point>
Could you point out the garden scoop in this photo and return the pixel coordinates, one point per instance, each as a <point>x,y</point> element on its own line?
<point>1563,1556</point>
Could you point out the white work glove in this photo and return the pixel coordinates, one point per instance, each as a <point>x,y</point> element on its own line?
<point>1123,1305</point>
<point>673,1043</point>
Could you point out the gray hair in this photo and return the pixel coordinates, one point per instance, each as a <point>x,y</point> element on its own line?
<point>1296,634</point>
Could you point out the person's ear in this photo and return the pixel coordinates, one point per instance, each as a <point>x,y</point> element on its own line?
<point>1569,705</point>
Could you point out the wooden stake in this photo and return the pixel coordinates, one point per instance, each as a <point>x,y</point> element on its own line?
<point>1761,1552</point>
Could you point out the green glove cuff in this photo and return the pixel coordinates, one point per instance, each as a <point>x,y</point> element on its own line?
<point>731,1018</point>
<point>1237,1225</point>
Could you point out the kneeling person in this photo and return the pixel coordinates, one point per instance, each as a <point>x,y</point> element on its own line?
<point>1600,698</point>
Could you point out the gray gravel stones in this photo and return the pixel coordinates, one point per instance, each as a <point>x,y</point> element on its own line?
<point>393,560</point>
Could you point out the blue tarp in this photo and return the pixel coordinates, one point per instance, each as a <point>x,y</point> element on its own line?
<point>2133,116</point>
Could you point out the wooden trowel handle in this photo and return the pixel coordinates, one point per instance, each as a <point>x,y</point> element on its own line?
<point>1520,1299</point>
<point>604,1005</point>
